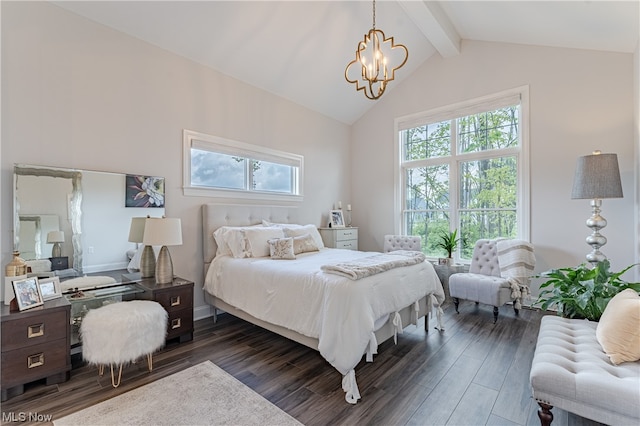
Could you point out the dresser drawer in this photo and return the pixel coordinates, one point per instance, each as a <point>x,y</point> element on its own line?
<point>346,234</point>
<point>33,330</point>
<point>35,362</point>
<point>59,263</point>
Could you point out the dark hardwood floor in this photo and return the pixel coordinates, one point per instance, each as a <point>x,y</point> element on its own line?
<point>473,373</point>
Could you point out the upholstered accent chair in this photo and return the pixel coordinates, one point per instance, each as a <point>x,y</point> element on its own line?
<point>402,242</point>
<point>486,282</point>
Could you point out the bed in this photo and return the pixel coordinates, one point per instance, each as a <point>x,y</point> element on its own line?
<point>304,298</point>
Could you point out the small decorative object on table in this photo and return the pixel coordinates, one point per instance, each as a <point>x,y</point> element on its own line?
<point>50,288</point>
<point>27,293</point>
<point>336,219</point>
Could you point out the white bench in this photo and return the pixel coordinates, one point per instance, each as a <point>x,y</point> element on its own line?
<point>571,371</point>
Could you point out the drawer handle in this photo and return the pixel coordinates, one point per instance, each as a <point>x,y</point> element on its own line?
<point>176,323</point>
<point>175,301</point>
<point>36,360</point>
<point>35,330</point>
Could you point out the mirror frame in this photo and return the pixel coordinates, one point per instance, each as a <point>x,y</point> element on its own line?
<point>75,203</point>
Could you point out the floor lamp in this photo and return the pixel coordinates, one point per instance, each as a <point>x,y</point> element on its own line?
<point>597,176</point>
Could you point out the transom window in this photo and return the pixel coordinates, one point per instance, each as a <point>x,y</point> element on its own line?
<point>215,166</point>
<point>464,168</point>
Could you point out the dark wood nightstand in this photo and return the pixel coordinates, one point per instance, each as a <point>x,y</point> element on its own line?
<point>59,263</point>
<point>35,345</point>
<point>177,298</point>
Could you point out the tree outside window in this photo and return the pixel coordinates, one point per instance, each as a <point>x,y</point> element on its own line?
<point>462,173</point>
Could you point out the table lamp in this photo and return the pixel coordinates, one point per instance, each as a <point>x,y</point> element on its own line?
<point>597,176</point>
<point>56,237</point>
<point>163,232</point>
<point>148,258</point>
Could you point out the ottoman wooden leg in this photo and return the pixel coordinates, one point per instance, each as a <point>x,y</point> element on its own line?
<point>150,361</point>
<point>545,414</point>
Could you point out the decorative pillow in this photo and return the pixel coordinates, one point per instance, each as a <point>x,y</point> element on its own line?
<point>281,248</point>
<point>303,244</point>
<point>257,240</point>
<point>618,330</point>
<point>297,231</point>
<point>223,247</point>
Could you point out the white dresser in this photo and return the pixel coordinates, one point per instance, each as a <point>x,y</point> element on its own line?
<point>342,238</point>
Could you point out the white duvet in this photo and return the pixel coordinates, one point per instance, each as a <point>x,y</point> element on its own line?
<point>338,311</point>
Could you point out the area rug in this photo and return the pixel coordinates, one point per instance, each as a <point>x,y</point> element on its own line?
<point>200,395</point>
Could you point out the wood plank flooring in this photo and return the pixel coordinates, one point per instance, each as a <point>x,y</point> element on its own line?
<point>473,373</point>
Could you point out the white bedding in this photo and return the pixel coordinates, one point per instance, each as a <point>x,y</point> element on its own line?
<point>338,311</point>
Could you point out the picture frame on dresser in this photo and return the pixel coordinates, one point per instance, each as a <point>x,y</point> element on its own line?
<point>336,219</point>
<point>50,288</point>
<point>27,293</point>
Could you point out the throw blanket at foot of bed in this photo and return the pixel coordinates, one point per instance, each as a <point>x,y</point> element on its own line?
<point>367,266</point>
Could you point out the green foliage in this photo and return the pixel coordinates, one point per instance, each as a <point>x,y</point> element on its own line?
<point>582,292</point>
<point>448,241</point>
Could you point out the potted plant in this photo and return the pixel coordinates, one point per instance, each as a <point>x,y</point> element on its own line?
<point>582,292</point>
<point>448,241</point>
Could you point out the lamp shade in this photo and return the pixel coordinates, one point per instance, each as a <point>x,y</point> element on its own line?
<point>162,232</point>
<point>597,176</point>
<point>136,232</point>
<point>55,237</point>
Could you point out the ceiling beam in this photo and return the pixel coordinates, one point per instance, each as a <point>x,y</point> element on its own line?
<point>434,23</point>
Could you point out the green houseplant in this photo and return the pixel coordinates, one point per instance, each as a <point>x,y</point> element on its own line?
<point>582,292</point>
<point>448,241</point>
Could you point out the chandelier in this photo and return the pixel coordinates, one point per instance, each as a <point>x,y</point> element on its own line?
<point>371,66</point>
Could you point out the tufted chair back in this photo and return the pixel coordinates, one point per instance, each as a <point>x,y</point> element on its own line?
<point>485,258</point>
<point>402,242</point>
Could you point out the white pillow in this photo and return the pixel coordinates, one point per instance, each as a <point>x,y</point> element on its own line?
<point>256,240</point>
<point>281,248</point>
<point>230,240</point>
<point>297,231</point>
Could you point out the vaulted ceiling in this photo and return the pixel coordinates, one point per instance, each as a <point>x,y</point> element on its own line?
<point>299,49</point>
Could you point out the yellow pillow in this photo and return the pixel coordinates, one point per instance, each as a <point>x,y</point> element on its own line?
<point>618,331</point>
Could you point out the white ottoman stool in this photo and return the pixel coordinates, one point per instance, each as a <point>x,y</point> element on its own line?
<point>121,333</point>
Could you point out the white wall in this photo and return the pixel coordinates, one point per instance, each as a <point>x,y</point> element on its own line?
<point>78,94</point>
<point>579,101</point>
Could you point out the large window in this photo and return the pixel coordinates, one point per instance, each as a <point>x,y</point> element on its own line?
<point>219,167</point>
<point>465,168</point>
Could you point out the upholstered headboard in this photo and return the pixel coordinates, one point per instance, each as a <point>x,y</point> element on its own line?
<point>216,215</point>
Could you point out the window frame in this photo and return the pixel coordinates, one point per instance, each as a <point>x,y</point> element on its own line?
<point>205,142</point>
<point>450,112</point>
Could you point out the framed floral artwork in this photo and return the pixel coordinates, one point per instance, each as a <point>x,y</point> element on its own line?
<point>144,191</point>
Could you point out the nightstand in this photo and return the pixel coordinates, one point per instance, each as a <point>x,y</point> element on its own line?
<point>342,238</point>
<point>177,298</point>
<point>59,263</point>
<point>35,345</point>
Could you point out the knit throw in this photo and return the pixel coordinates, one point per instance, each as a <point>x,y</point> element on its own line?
<point>517,261</point>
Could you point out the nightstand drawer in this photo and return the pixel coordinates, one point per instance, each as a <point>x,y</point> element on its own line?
<point>346,234</point>
<point>348,245</point>
<point>176,299</point>
<point>34,330</point>
<point>180,322</point>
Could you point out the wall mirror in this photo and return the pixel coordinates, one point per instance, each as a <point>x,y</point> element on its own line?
<point>89,209</point>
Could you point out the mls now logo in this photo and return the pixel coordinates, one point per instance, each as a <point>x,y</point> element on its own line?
<point>25,417</point>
